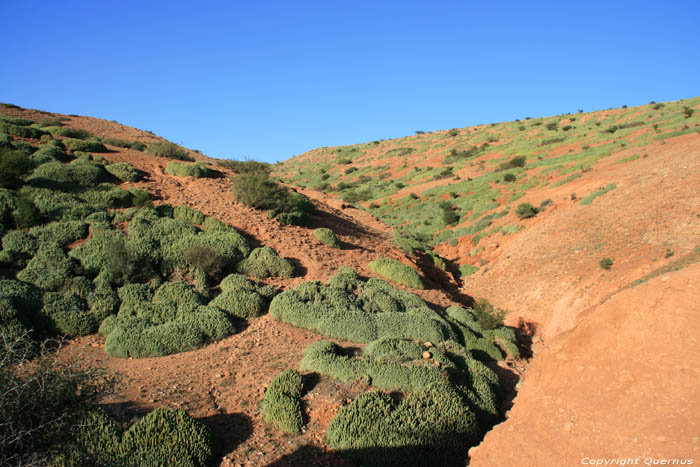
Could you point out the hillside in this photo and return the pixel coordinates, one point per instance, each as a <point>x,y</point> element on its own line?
<point>204,344</point>
<point>618,184</point>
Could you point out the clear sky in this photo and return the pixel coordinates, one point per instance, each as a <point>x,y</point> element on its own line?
<point>270,80</point>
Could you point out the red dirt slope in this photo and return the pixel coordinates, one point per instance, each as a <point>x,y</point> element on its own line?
<point>622,383</point>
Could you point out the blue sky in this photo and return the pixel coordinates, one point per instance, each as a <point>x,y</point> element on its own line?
<point>269,80</point>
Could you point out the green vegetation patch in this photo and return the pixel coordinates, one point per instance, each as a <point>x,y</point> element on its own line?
<point>265,262</point>
<point>397,272</point>
<point>589,199</point>
<point>281,407</point>
<point>196,170</point>
<point>169,150</point>
<point>327,236</point>
<point>163,437</point>
<point>451,401</point>
<point>124,172</point>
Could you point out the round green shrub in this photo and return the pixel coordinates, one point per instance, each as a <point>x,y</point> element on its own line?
<point>240,303</point>
<point>397,272</point>
<point>196,170</point>
<point>50,268</point>
<point>188,215</point>
<point>264,262</point>
<point>327,236</point>
<point>124,172</point>
<point>66,315</point>
<point>281,407</point>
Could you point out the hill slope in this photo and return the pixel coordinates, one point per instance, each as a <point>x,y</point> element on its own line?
<point>618,184</point>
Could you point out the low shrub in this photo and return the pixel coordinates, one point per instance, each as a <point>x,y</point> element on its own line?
<point>63,233</point>
<point>449,407</point>
<point>259,191</point>
<point>265,262</point>
<point>124,172</point>
<point>397,272</point>
<point>509,178</point>
<point>515,162</point>
<point>188,215</point>
<point>56,175</point>
<point>165,437</point>
<point>21,131</point>
<point>526,211</point>
<point>327,237</point>
<point>76,133</point>
<point>245,167</point>
<point>350,309</point>
<point>281,407</point>
<point>606,263</point>
<point>140,198</point>
<point>169,150</point>
<point>467,270</point>
<point>84,145</point>
<point>49,153</point>
<point>15,120</point>
<point>66,314</point>
<point>196,170</point>
<point>107,196</point>
<point>49,269</point>
<point>205,259</point>
<point>14,166</point>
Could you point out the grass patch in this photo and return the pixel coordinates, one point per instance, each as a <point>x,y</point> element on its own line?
<point>589,199</point>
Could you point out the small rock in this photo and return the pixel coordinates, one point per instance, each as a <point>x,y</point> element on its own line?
<point>426,355</point>
<point>428,344</point>
<point>437,364</point>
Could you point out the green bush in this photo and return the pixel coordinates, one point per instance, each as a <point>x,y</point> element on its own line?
<point>15,120</point>
<point>205,259</point>
<point>515,162</point>
<point>106,196</point>
<point>164,437</point>
<point>245,167</point>
<point>86,146</point>
<point>169,150</point>
<point>51,121</point>
<point>350,309</point>
<point>188,215</point>
<point>14,166</point>
<point>526,211</point>
<point>397,272</point>
<point>264,262</point>
<point>140,198</point>
<point>124,172</point>
<point>63,233</point>
<point>327,236</point>
<point>98,252</point>
<point>259,191</point>
<point>67,314</point>
<point>80,172</point>
<point>509,178</point>
<point>49,153</point>
<point>49,269</point>
<point>281,407</point>
<point>56,205</point>
<point>467,270</point>
<point>196,170</point>
<point>76,133</point>
<point>21,131</point>
<point>606,263</point>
